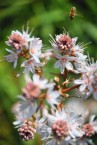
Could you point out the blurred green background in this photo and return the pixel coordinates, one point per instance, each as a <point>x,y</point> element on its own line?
<point>45,17</point>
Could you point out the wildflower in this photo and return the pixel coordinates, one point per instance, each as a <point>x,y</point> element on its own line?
<point>18,40</point>
<point>24,46</point>
<point>63,126</point>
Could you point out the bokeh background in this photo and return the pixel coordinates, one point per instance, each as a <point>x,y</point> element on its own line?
<point>45,17</point>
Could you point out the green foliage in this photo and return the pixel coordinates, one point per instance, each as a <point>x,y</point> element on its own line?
<point>45,17</point>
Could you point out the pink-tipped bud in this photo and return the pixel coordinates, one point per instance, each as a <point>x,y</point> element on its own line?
<point>88,129</point>
<point>60,128</point>
<point>26,131</point>
<point>64,43</point>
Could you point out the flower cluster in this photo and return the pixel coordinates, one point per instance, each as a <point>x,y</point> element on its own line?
<point>23,45</point>
<point>42,106</point>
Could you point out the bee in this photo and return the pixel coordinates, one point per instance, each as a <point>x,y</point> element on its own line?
<point>72,13</point>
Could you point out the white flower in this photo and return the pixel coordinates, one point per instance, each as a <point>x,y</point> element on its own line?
<point>26,109</point>
<point>64,62</point>
<point>52,97</point>
<point>12,57</point>
<point>64,126</point>
<point>30,65</point>
<point>42,83</point>
<point>85,82</point>
<point>35,49</point>
<point>88,81</point>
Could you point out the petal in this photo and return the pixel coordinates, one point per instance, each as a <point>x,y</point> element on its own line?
<point>83,87</point>
<point>15,63</point>
<point>69,66</point>
<point>79,81</point>
<point>36,58</point>
<point>57,64</point>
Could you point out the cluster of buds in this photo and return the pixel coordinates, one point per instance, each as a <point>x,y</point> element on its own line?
<point>27,131</point>
<point>42,106</point>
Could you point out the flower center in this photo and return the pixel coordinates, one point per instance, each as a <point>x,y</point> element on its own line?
<point>60,128</point>
<point>27,131</point>
<point>64,43</point>
<point>88,129</point>
<point>17,41</point>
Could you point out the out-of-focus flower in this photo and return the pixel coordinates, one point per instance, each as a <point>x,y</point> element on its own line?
<point>91,127</point>
<point>34,87</point>
<point>63,126</point>
<point>31,91</point>
<point>42,83</point>
<point>52,97</point>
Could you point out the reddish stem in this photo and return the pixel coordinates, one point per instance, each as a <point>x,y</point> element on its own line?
<point>69,89</point>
